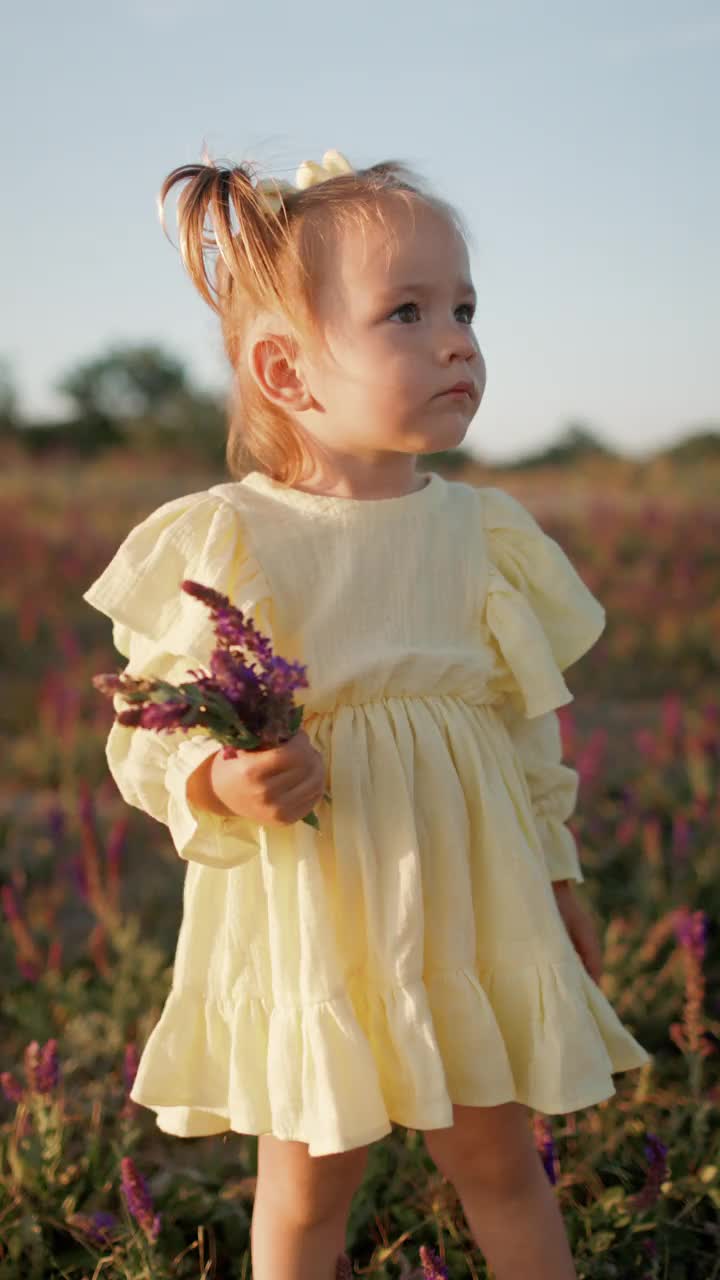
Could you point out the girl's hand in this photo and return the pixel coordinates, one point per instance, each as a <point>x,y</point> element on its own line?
<point>273,784</point>
<point>581,928</point>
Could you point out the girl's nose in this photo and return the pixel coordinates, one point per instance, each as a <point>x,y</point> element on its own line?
<point>460,343</point>
<point>458,339</point>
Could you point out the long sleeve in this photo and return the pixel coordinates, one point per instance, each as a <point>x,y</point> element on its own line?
<point>167,634</point>
<point>539,617</point>
<point>151,772</point>
<point>553,785</point>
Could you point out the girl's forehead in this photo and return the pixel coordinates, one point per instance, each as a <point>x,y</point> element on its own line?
<point>405,240</point>
<point>400,248</point>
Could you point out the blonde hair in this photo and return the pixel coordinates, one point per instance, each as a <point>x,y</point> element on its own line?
<point>272,262</point>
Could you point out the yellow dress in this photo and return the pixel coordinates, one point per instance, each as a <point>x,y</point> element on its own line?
<point>410,954</point>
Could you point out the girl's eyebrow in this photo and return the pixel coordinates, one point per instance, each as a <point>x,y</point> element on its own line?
<point>463,286</point>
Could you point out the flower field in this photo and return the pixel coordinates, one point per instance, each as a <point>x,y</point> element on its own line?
<point>92,898</point>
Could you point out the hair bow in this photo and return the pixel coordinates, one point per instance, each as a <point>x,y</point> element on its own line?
<point>309,174</point>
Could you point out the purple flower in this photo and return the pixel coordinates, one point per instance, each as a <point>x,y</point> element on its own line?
<point>241,685</point>
<point>243,704</point>
<point>691,931</point>
<point>234,699</point>
<point>433,1266</point>
<point>232,628</point>
<point>9,902</point>
<point>102,1221</point>
<point>138,1199</point>
<point>48,1073</point>
<point>99,1226</point>
<point>655,1154</point>
<point>655,1150</point>
<point>103,1225</point>
<point>545,1145</point>
<point>164,715</point>
<point>42,1069</point>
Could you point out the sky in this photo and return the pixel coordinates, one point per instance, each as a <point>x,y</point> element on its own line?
<point>575,139</point>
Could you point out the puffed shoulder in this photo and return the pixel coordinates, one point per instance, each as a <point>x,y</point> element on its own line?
<point>199,536</point>
<point>539,610</point>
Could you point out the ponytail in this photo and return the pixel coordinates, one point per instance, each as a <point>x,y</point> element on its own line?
<point>249,251</point>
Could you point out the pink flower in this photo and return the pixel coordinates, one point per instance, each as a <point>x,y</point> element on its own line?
<point>13,1091</point>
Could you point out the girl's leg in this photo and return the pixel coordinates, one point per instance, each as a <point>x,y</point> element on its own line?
<point>301,1208</point>
<point>489,1156</point>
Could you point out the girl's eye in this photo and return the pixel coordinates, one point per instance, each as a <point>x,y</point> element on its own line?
<point>465,306</point>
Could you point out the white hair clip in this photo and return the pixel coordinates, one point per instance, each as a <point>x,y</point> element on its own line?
<point>309,174</point>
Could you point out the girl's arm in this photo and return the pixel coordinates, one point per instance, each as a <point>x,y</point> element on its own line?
<point>553,786</point>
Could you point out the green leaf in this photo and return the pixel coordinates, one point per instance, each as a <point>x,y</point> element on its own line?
<point>612,1196</point>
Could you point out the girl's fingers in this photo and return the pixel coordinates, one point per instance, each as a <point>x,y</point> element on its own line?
<point>302,799</point>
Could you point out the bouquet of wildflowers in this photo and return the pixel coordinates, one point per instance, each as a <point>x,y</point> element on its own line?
<point>247,706</point>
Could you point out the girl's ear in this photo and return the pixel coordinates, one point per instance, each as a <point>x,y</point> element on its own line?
<point>273,363</point>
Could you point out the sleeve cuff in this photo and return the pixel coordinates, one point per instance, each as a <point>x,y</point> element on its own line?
<point>198,834</point>
<point>560,848</point>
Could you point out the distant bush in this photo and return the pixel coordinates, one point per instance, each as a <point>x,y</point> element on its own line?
<point>701,446</point>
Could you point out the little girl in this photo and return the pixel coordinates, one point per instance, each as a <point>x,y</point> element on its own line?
<point>421,959</point>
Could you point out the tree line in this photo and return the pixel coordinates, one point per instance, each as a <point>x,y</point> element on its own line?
<point>143,396</point>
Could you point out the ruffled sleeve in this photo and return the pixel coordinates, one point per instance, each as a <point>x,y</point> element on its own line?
<point>540,618</point>
<point>164,632</point>
<point>538,612</point>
